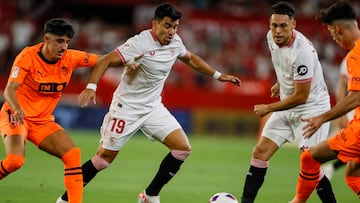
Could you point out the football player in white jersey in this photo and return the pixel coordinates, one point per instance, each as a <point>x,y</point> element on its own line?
<point>302,91</point>
<point>137,105</point>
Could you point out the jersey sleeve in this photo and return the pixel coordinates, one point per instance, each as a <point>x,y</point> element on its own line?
<point>303,68</point>
<point>183,50</point>
<point>269,40</point>
<point>353,62</point>
<point>21,67</point>
<point>132,48</point>
<point>82,58</point>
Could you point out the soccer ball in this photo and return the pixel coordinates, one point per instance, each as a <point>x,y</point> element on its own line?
<point>223,197</point>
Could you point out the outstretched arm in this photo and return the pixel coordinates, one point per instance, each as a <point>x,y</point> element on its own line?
<point>351,101</point>
<point>102,64</point>
<point>197,63</point>
<point>111,59</point>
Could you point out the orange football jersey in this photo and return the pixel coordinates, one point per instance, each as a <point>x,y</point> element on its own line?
<point>41,82</point>
<point>353,64</point>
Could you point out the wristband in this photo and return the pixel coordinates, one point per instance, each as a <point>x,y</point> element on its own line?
<point>91,86</point>
<point>216,75</point>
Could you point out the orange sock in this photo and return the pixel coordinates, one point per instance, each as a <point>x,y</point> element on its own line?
<point>73,178</point>
<point>354,183</point>
<point>308,177</point>
<point>11,163</point>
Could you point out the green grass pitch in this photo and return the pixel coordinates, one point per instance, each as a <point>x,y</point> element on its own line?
<point>216,165</point>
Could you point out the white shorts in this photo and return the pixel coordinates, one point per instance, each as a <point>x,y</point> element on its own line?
<point>120,125</point>
<point>285,126</point>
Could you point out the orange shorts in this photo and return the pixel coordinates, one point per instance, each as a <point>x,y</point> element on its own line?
<point>35,132</point>
<point>347,143</point>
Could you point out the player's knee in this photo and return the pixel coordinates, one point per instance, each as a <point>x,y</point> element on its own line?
<point>13,162</point>
<point>99,163</point>
<point>181,154</point>
<point>306,157</point>
<point>308,162</point>
<point>259,152</point>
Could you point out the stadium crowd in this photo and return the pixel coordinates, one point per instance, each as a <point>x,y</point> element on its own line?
<point>228,34</point>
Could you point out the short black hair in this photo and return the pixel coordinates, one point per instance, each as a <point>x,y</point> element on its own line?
<point>60,27</point>
<point>167,10</point>
<point>340,10</point>
<point>283,7</point>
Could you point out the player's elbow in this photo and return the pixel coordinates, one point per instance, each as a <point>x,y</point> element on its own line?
<point>301,99</point>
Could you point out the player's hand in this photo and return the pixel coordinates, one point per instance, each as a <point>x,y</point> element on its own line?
<point>275,90</point>
<point>343,121</point>
<point>133,63</point>
<point>85,97</point>
<point>313,124</point>
<point>18,117</point>
<point>261,110</point>
<point>230,78</point>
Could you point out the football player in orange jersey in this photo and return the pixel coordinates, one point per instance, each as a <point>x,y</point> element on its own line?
<point>37,79</point>
<point>342,24</point>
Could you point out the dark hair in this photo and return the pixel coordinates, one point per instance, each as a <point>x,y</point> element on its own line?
<point>167,10</point>
<point>337,11</point>
<point>283,7</point>
<point>60,27</point>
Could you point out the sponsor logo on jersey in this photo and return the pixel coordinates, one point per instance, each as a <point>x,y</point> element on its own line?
<point>64,71</point>
<point>125,46</point>
<point>302,70</point>
<point>355,79</point>
<point>52,87</point>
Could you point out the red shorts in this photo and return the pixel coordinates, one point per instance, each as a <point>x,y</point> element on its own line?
<point>347,143</point>
<point>33,131</point>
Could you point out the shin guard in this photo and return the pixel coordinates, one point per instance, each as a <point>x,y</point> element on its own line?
<point>309,176</point>
<point>168,168</point>
<point>73,178</point>
<point>11,163</point>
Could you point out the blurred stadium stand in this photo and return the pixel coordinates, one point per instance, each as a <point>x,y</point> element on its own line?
<point>229,35</point>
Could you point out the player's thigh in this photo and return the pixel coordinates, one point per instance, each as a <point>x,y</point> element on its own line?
<point>346,143</point>
<point>161,124</point>
<point>14,136</point>
<point>57,143</point>
<point>320,135</point>
<point>38,132</point>
<point>322,153</point>
<point>118,127</point>
<point>277,129</point>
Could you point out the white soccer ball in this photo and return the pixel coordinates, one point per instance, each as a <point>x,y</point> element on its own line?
<point>223,197</point>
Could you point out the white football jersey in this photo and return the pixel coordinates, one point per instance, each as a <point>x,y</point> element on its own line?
<point>296,63</point>
<point>343,68</point>
<point>141,88</point>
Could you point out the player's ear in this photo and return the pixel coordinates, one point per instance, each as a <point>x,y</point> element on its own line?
<point>154,23</point>
<point>46,37</point>
<point>294,24</point>
<point>338,29</point>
